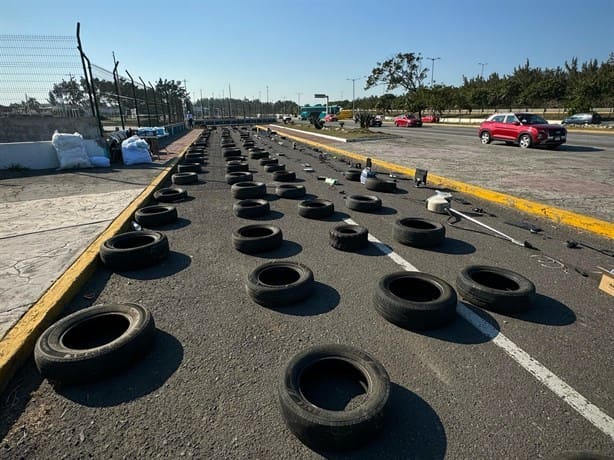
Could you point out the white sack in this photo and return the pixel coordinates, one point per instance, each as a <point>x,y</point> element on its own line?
<point>70,150</point>
<point>135,151</point>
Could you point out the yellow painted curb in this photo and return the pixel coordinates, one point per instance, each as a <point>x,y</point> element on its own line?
<point>558,215</point>
<point>18,343</point>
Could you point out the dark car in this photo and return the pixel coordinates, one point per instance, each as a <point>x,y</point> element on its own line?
<point>524,129</point>
<point>583,119</point>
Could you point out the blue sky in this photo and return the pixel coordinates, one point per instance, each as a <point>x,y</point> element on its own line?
<point>314,46</point>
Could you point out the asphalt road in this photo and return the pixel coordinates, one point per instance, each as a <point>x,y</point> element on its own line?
<point>208,388</point>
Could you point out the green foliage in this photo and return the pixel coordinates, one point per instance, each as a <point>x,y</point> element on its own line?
<point>404,70</point>
<point>67,93</point>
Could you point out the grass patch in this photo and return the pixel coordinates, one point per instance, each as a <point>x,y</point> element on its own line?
<point>357,133</point>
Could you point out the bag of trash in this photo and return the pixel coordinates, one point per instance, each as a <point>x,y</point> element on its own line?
<point>135,151</point>
<point>70,149</point>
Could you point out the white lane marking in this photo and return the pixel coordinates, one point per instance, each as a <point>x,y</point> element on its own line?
<point>579,403</point>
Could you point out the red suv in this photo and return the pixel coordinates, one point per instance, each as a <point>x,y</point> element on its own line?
<point>524,129</point>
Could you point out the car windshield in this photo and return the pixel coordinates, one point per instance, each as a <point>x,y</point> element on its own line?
<point>531,119</point>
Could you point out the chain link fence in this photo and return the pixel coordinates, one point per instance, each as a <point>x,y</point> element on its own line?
<point>47,83</point>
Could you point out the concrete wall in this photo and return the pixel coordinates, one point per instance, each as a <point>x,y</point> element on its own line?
<point>29,128</point>
<point>33,155</point>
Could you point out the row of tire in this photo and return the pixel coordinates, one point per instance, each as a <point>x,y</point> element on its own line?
<point>104,339</point>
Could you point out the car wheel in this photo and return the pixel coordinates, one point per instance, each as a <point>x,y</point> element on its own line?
<point>525,141</point>
<point>485,137</point>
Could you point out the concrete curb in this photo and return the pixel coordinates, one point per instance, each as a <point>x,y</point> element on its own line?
<point>18,343</point>
<point>557,215</point>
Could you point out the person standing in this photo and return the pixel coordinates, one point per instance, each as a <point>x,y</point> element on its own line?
<point>190,120</point>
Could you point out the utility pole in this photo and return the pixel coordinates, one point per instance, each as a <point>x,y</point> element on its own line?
<point>432,67</point>
<point>267,96</point>
<point>202,109</point>
<point>482,72</point>
<point>299,102</point>
<point>353,80</point>
<point>229,101</point>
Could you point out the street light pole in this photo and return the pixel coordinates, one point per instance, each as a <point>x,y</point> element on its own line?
<point>353,80</point>
<point>482,72</point>
<point>432,67</point>
<point>299,102</point>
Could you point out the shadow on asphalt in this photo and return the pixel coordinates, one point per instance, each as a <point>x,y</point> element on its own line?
<point>412,429</point>
<point>323,300</point>
<point>179,223</point>
<point>453,246</point>
<point>337,216</point>
<point>462,332</point>
<point>272,215</point>
<point>144,377</point>
<point>547,311</point>
<point>172,265</point>
<point>386,211</point>
<point>287,249</point>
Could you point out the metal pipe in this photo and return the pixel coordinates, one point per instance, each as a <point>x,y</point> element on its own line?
<point>87,85</point>
<point>475,221</point>
<point>146,101</point>
<point>136,104</point>
<point>119,99</point>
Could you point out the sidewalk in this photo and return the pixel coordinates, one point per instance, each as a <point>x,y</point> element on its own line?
<point>48,218</point>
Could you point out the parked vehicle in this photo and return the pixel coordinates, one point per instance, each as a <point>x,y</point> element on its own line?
<point>583,119</point>
<point>430,119</point>
<point>524,129</point>
<point>330,117</point>
<point>407,120</point>
<point>376,121</point>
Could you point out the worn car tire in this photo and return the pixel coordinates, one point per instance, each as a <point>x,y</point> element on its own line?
<point>363,203</point>
<point>231,152</point>
<point>134,250</point>
<point>189,167</point>
<point>243,190</point>
<point>274,167</point>
<point>239,176</point>
<point>252,239</point>
<point>258,155</point>
<point>94,342</point>
<point>280,283</point>
<point>327,428</point>
<point>290,191</point>
<point>316,209</point>
<point>284,176</point>
<point>185,178</point>
<point>497,289</point>
<point>268,161</point>
<point>417,232</point>
<point>349,237</point>
<point>415,301</point>
<point>156,215</point>
<point>170,194</point>
<point>237,166</point>
<point>251,208</point>
<point>353,175</point>
<point>379,185</point>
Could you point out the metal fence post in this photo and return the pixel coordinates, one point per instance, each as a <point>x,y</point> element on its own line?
<point>82,54</point>
<point>155,104</point>
<point>119,100</point>
<point>146,101</point>
<point>136,104</point>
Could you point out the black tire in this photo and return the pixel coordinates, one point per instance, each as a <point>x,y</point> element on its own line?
<point>268,161</point>
<point>415,301</point>
<point>328,428</point>
<point>189,167</point>
<point>251,208</point>
<point>134,250</point>
<point>155,216</point>
<point>417,232</point>
<point>200,159</point>
<point>379,185</point>
<point>349,237</point>
<point>94,342</point>
<point>185,178</point>
<point>284,176</point>
<point>485,137</point>
<point>290,191</point>
<point>363,203</point>
<point>258,155</point>
<point>238,166</point>
<point>243,190</point>
<point>170,195</point>
<point>353,175</point>
<point>252,239</point>
<point>280,283</point>
<point>497,289</point>
<point>235,158</point>
<point>231,152</point>
<point>316,209</point>
<point>240,176</point>
<point>274,167</point>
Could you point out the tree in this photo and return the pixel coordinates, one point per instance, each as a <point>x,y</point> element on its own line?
<point>404,70</point>
<point>385,101</point>
<point>67,93</point>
